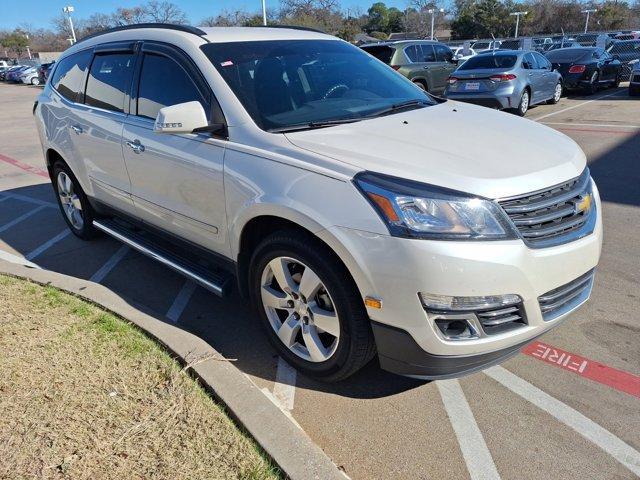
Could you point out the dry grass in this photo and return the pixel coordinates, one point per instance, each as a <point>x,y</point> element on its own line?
<point>83,394</point>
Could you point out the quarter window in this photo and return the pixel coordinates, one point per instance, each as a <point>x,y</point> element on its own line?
<point>443,54</point>
<point>108,81</point>
<point>68,77</point>
<point>163,83</point>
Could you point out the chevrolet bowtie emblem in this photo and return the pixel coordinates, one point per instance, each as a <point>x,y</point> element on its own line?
<point>583,204</point>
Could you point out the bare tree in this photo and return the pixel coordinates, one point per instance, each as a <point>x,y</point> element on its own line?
<point>164,12</point>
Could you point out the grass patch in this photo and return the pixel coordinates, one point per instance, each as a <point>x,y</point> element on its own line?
<point>85,395</point>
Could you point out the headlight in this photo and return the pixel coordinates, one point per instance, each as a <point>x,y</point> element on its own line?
<point>413,209</point>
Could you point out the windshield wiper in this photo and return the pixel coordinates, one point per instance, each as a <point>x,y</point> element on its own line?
<point>312,125</point>
<point>396,107</point>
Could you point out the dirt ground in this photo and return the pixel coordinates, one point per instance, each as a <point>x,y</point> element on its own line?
<point>83,394</point>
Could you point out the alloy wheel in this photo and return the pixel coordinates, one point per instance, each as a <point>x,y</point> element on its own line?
<point>524,103</point>
<point>300,309</point>
<point>557,93</point>
<point>70,201</point>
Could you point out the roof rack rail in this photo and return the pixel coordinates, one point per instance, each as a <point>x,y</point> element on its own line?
<point>168,26</point>
<point>292,27</point>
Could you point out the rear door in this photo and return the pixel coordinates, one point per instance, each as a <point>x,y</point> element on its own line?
<point>426,66</point>
<point>548,77</point>
<point>535,77</point>
<point>444,59</point>
<point>176,179</point>
<point>98,131</point>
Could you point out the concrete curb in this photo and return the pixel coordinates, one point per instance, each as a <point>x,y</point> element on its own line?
<point>289,446</point>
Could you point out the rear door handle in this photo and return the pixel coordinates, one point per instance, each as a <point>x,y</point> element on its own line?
<point>76,129</point>
<point>136,146</point>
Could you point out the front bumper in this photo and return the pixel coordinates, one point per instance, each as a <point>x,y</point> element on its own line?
<point>395,269</point>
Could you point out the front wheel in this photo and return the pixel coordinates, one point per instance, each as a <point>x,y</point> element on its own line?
<point>557,94</point>
<point>616,82</point>
<point>73,203</point>
<point>35,81</point>
<point>310,307</point>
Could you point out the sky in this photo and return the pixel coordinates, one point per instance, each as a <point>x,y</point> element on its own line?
<point>38,13</point>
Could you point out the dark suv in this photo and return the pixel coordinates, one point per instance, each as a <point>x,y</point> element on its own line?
<point>426,63</point>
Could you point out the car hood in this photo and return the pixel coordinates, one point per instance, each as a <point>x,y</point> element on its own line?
<point>454,145</point>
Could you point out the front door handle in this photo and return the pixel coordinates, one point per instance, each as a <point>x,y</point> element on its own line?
<point>76,129</point>
<point>136,146</point>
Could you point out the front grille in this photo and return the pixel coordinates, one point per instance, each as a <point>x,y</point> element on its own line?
<point>502,319</point>
<point>567,297</point>
<point>547,217</point>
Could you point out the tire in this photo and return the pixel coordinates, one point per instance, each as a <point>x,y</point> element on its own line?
<point>35,81</point>
<point>556,95</point>
<point>347,344</point>
<point>74,205</point>
<point>593,83</point>
<point>421,84</point>
<point>634,92</point>
<point>523,106</point>
<point>616,82</point>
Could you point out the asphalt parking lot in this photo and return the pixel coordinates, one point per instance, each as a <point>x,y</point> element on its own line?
<point>562,409</point>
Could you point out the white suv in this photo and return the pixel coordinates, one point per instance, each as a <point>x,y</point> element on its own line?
<point>339,196</point>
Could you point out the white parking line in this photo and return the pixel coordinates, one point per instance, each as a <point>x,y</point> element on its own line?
<point>35,201</point>
<point>284,389</point>
<point>591,124</point>
<point>22,217</point>
<point>181,301</point>
<point>10,257</point>
<point>110,264</point>
<point>618,449</point>
<point>575,106</point>
<point>474,449</point>
<point>33,254</point>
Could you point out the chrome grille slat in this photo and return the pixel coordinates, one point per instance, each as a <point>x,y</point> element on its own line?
<point>550,217</point>
<point>495,313</point>
<point>567,297</point>
<point>500,320</point>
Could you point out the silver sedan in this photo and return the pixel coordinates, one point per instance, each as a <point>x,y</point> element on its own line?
<point>506,80</point>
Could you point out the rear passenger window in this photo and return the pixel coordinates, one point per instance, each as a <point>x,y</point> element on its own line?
<point>175,86</point>
<point>411,53</point>
<point>68,77</point>
<point>108,81</point>
<point>428,53</point>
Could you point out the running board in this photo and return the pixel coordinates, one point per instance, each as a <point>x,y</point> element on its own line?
<point>216,281</point>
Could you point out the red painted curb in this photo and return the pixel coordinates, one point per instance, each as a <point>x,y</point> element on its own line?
<point>617,379</point>
<point>24,166</point>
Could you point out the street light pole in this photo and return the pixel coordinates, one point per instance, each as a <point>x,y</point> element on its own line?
<point>588,11</point>
<point>28,50</point>
<point>69,10</point>
<point>517,15</point>
<point>433,11</point>
<point>264,13</point>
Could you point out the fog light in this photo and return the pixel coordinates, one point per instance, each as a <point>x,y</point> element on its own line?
<point>462,304</point>
<point>456,329</point>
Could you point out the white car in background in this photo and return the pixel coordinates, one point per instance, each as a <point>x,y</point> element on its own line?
<point>30,76</point>
<point>338,197</point>
<point>459,54</point>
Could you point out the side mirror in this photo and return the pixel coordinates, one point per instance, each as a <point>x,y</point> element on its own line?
<point>181,118</point>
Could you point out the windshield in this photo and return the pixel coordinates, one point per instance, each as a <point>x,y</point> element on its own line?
<point>489,61</point>
<point>284,83</point>
<point>569,54</point>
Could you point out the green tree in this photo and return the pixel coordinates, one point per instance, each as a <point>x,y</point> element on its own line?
<point>15,42</point>
<point>378,18</point>
<point>395,20</point>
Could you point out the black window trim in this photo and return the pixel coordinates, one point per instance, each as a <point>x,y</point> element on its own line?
<point>177,55</point>
<point>79,95</point>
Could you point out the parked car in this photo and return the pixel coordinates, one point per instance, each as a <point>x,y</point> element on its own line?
<point>507,80</point>
<point>459,54</point>
<point>3,73</point>
<point>426,63</point>
<point>43,72</point>
<point>13,75</point>
<point>635,35</point>
<point>634,80</point>
<point>586,68</point>
<point>29,76</point>
<point>337,196</point>
<point>625,51</point>
<point>562,44</point>
<point>483,45</point>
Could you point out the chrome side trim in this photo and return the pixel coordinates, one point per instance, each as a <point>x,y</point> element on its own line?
<point>215,288</point>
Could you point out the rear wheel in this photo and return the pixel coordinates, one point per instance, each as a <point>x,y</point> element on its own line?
<point>593,83</point>
<point>557,94</point>
<point>310,307</point>
<point>422,84</point>
<point>35,81</point>
<point>523,106</point>
<point>616,82</point>
<point>73,203</point>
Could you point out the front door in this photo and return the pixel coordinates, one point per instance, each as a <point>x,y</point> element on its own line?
<point>176,179</point>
